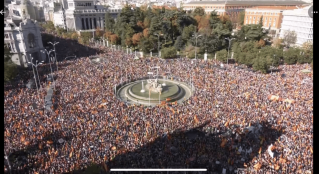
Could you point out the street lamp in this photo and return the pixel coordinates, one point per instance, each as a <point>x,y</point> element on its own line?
<point>158,46</point>
<point>54,53</point>
<point>273,63</point>
<point>36,65</point>
<point>229,41</point>
<point>196,36</point>
<point>48,53</point>
<point>7,159</point>
<point>149,92</point>
<point>36,68</point>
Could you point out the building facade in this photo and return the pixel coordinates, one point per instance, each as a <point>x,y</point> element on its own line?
<point>59,19</point>
<point>271,17</point>
<point>20,9</point>
<point>23,38</point>
<point>232,8</point>
<point>86,15</point>
<point>299,21</point>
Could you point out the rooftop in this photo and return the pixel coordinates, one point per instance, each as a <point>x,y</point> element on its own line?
<point>273,2</point>
<point>271,8</point>
<point>297,12</point>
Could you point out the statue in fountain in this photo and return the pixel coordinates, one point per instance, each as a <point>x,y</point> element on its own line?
<point>154,86</point>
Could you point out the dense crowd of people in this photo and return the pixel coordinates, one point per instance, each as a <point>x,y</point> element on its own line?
<point>89,124</point>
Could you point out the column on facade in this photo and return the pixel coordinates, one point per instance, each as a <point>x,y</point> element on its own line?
<point>87,23</point>
<point>102,23</point>
<point>94,22</point>
<point>98,22</point>
<point>84,19</point>
<point>78,23</point>
<point>91,23</point>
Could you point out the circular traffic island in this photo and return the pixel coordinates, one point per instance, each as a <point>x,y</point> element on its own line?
<point>152,92</point>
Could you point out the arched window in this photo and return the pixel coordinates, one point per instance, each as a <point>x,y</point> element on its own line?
<point>31,40</point>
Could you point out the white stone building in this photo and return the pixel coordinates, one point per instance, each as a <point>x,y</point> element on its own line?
<point>299,21</point>
<point>86,15</point>
<point>20,8</point>
<point>22,36</point>
<point>59,19</point>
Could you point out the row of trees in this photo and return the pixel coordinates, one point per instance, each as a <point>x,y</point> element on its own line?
<point>139,27</point>
<point>172,30</point>
<point>254,54</point>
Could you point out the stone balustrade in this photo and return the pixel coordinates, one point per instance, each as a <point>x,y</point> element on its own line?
<point>98,11</point>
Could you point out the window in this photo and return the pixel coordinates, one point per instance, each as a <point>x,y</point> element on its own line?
<point>31,40</point>
<point>254,17</point>
<point>269,19</point>
<point>247,17</point>
<point>274,24</point>
<point>274,19</point>
<point>16,12</point>
<point>11,47</point>
<point>266,18</point>
<point>70,4</point>
<point>6,36</point>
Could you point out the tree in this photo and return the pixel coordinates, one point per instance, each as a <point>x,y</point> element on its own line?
<point>271,55</point>
<point>277,43</point>
<point>261,21</point>
<point>199,11</point>
<point>49,26</point>
<point>306,53</point>
<point>146,32</point>
<point>224,19</point>
<point>250,32</point>
<point>291,56</point>
<point>136,38</point>
<point>107,35</point>
<point>140,24</point>
<point>155,25</point>
<point>10,69</point>
<point>147,44</point>
<point>187,32</point>
<point>147,22</point>
<point>222,55</point>
<point>109,22</point>
<point>169,52</point>
<point>245,52</point>
<point>290,37</point>
<point>179,43</point>
<point>241,18</point>
<point>260,64</point>
<point>203,25</point>
<point>85,37</point>
<point>99,32</point>
<point>214,19</point>
<point>114,38</point>
<point>307,46</point>
<point>261,43</point>
<point>60,30</point>
<point>74,36</point>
